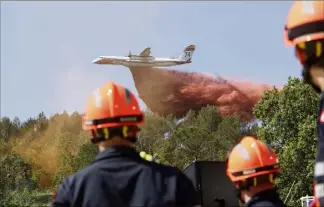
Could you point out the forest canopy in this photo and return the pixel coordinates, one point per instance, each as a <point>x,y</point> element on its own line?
<point>38,153</point>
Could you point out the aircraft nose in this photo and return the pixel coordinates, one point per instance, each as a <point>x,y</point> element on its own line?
<point>96,61</point>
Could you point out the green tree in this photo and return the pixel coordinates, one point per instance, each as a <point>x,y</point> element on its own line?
<point>288,124</point>
<point>22,197</point>
<point>65,157</point>
<point>86,154</point>
<point>152,132</point>
<point>42,122</point>
<point>29,124</point>
<point>73,124</point>
<point>75,153</point>
<point>5,149</point>
<point>9,128</point>
<point>15,175</point>
<point>203,135</point>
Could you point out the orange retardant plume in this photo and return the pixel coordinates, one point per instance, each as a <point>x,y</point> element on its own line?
<point>167,91</point>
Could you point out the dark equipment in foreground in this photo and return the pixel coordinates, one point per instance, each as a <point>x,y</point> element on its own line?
<point>210,179</point>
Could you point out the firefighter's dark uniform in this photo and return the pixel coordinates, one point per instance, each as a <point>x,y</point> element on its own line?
<point>120,177</point>
<point>319,165</point>
<point>267,198</point>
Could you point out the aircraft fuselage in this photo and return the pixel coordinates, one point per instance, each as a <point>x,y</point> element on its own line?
<point>137,61</point>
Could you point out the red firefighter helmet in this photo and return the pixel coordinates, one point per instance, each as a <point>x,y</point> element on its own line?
<point>111,105</point>
<point>251,158</point>
<point>305,22</point>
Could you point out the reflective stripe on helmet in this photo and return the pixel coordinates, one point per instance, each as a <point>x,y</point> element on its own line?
<point>119,119</point>
<point>255,170</point>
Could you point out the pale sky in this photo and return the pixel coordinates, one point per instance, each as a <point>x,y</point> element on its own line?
<point>47,47</point>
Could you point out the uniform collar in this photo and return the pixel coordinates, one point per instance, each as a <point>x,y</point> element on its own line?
<point>117,151</point>
<point>270,195</point>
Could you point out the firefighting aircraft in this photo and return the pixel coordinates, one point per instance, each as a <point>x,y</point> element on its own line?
<point>144,59</point>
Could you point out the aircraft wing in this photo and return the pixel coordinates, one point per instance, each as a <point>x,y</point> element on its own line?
<point>146,52</point>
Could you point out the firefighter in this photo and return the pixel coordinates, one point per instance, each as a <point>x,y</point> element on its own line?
<point>119,176</point>
<point>143,154</point>
<point>304,31</point>
<point>252,166</point>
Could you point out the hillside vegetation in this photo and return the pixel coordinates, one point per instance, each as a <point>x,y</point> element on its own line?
<point>37,154</point>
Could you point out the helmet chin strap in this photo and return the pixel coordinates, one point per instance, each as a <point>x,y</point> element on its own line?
<point>99,135</point>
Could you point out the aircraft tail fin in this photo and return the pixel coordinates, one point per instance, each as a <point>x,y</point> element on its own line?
<point>188,53</point>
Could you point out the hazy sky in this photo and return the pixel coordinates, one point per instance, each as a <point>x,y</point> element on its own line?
<point>47,47</point>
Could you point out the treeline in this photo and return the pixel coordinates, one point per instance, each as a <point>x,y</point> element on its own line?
<point>37,154</point>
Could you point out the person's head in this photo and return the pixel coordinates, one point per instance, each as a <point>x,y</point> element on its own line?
<point>304,30</point>
<point>112,115</point>
<point>252,166</point>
